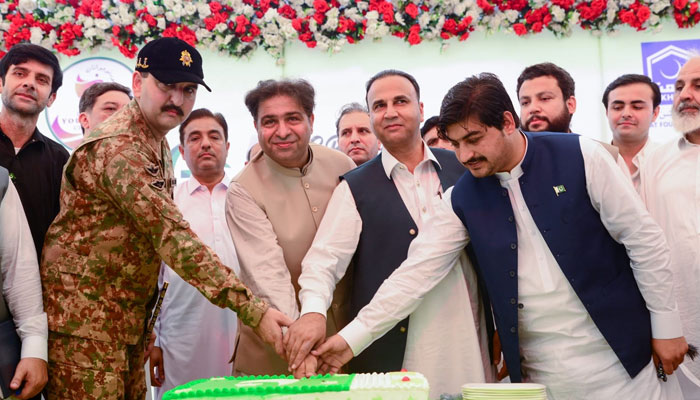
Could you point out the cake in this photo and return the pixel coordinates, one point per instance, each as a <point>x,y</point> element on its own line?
<point>388,386</point>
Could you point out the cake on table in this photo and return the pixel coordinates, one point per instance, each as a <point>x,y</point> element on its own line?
<point>386,386</point>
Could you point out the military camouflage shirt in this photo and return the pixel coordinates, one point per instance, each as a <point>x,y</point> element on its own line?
<point>102,253</point>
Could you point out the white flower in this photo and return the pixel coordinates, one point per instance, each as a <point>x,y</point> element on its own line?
<point>558,13</point>
<point>86,21</point>
<point>624,3</point>
<point>190,9</point>
<point>102,24</point>
<point>4,8</point>
<point>26,6</point>
<point>153,9</point>
<point>248,10</point>
<point>424,20</point>
<point>140,27</point>
<point>160,22</point>
<point>221,27</point>
<point>653,20</point>
<point>362,5</point>
<point>512,15</point>
<point>658,6</point>
<point>203,9</point>
<point>399,18</point>
<point>89,33</point>
<point>331,20</point>
<point>36,35</point>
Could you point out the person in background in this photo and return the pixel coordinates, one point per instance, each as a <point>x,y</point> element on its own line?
<point>632,105</point>
<point>355,137</point>
<point>31,76</point>
<point>430,135</point>
<point>671,188</point>
<point>99,101</point>
<point>195,339</point>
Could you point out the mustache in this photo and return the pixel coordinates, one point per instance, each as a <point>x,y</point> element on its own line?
<point>476,159</point>
<point>685,105</point>
<point>173,107</point>
<point>540,117</point>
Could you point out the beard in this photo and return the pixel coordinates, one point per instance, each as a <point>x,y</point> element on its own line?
<point>26,111</point>
<point>685,123</point>
<point>559,123</point>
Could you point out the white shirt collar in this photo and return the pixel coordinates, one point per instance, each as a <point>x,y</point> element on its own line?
<point>389,162</point>
<point>517,171</point>
<point>193,184</point>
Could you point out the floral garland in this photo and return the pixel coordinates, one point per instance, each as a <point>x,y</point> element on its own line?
<point>238,27</point>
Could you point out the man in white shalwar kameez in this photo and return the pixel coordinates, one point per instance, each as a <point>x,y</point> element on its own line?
<point>196,338</point>
<point>672,196</point>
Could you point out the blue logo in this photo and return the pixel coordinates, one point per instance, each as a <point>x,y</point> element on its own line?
<point>663,60</point>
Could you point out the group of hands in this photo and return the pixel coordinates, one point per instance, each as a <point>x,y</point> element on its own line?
<point>306,349</point>
<point>302,346</point>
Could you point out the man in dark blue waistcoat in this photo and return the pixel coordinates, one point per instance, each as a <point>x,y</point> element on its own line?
<point>374,214</point>
<point>576,270</point>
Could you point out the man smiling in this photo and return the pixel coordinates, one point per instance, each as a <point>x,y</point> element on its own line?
<point>274,206</point>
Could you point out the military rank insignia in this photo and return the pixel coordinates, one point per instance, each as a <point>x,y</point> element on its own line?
<point>186,58</point>
<point>152,170</point>
<point>158,184</point>
<point>142,63</point>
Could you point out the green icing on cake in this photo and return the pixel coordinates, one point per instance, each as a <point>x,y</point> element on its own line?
<point>260,385</point>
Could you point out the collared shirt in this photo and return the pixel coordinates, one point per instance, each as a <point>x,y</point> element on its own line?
<point>638,161</point>
<point>21,285</point>
<point>444,331</point>
<point>672,195</point>
<point>197,337</point>
<point>436,247</point>
<point>117,222</point>
<point>37,168</point>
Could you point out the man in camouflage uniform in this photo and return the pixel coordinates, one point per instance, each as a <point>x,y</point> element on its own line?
<point>117,222</point>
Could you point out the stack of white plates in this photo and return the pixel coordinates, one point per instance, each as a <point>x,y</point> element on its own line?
<point>504,391</point>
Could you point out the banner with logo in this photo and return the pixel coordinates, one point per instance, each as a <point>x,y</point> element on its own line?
<point>662,62</point>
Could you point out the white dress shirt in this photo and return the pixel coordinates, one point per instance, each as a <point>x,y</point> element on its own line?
<point>442,341</point>
<point>574,361</point>
<point>20,277</point>
<point>638,161</point>
<point>672,195</point>
<point>197,337</point>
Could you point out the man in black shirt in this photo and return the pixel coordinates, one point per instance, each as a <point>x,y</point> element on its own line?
<point>30,76</point>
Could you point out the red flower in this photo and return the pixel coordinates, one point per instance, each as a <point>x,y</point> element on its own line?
<point>519,29</point>
<point>321,6</point>
<point>680,4</point>
<point>287,11</point>
<point>464,36</point>
<point>565,4</point>
<point>693,8</point>
<point>412,10</point>
<point>486,6</point>
<point>388,18</point>
<point>311,44</point>
<point>350,39</point>
<point>150,20</point>
<point>241,23</point>
<point>643,13</point>
<point>537,27</point>
<point>296,24</point>
<point>450,26</point>
<point>414,38</point>
<point>215,7</point>
<point>399,34</point>
<point>444,35</point>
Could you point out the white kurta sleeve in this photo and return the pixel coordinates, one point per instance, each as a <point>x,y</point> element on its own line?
<point>331,251</point>
<point>430,258</point>
<point>624,216</point>
<point>21,280</point>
